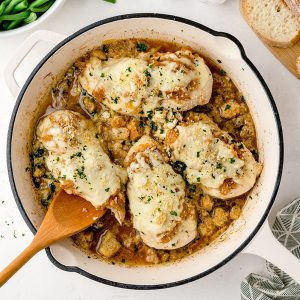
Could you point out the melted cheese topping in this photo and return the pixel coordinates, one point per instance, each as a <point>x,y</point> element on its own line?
<point>156,197</point>
<point>119,83</point>
<point>76,158</point>
<point>210,161</point>
<point>134,86</point>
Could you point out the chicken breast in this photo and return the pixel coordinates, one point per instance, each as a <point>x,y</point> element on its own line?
<point>223,168</point>
<point>76,159</point>
<point>157,198</point>
<point>135,86</point>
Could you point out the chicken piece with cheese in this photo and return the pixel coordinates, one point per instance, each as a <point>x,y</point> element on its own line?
<point>223,168</point>
<point>135,86</point>
<point>181,79</point>
<point>77,160</point>
<point>156,196</point>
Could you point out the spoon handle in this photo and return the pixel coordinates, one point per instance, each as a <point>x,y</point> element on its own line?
<point>19,261</point>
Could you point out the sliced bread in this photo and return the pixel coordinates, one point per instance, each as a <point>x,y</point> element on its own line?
<point>294,6</point>
<point>272,20</point>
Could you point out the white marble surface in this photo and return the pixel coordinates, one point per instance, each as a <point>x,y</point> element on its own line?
<point>39,279</point>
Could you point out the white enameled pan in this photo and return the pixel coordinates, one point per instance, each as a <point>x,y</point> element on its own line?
<point>249,234</point>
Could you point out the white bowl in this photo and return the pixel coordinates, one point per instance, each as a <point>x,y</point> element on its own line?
<point>54,7</point>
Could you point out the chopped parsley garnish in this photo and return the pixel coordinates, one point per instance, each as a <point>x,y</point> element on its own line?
<point>107,189</point>
<point>161,130</point>
<point>115,100</point>
<point>77,154</point>
<point>198,153</point>
<point>149,114</point>
<point>141,47</point>
<point>173,213</point>
<point>213,176</point>
<point>149,198</point>
<point>232,160</point>
<point>241,146</point>
<point>198,179</point>
<point>129,69</point>
<point>91,74</point>
<point>172,191</point>
<point>158,59</point>
<point>192,188</point>
<point>227,106</point>
<point>219,61</point>
<point>52,187</point>
<point>222,72</point>
<point>102,75</point>
<point>147,73</point>
<point>80,173</point>
<point>219,165</point>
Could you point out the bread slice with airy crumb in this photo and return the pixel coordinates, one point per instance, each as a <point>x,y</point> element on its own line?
<point>272,20</point>
<point>294,6</point>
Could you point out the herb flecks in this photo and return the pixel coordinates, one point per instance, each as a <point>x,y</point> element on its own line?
<point>173,213</point>
<point>222,72</point>
<point>77,154</point>
<point>80,173</point>
<point>141,47</point>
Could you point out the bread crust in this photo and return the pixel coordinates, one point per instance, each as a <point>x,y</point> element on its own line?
<point>294,6</point>
<point>298,65</point>
<point>245,10</point>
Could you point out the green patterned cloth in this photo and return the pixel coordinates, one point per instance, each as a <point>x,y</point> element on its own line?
<point>278,285</point>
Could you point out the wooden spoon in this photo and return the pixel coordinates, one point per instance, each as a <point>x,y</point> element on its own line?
<point>66,215</point>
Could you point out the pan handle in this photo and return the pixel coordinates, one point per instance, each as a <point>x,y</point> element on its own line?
<point>21,53</point>
<point>265,245</point>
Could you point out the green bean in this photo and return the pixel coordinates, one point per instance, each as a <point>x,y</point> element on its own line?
<point>2,7</point>
<point>15,13</point>
<point>19,16</point>
<point>31,18</point>
<point>37,3</point>
<point>21,6</point>
<point>43,8</point>
<point>10,6</point>
<point>5,24</point>
<point>11,24</point>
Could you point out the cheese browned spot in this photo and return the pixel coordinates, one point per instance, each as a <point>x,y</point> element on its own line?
<point>135,86</point>
<point>224,170</point>
<point>76,159</point>
<point>156,196</point>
